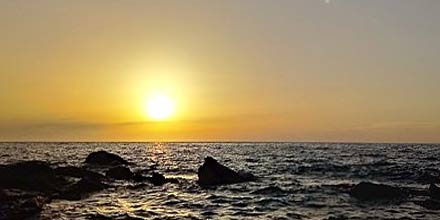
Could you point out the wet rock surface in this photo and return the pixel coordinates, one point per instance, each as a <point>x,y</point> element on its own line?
<point>213,173</point>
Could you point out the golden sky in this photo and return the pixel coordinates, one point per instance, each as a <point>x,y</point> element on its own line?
<point>247,70</point>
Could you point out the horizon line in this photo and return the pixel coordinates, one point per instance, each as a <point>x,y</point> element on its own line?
<point>223,141</point>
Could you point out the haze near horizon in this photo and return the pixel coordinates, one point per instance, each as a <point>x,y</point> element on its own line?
<point>311,70</point>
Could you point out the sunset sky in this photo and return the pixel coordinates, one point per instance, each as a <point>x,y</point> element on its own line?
<point>235,70</point>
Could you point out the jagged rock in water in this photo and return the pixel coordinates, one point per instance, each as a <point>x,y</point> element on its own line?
<point>370,191</point>
<point>30,175</point>
<point>104,158</point>
<point>18,205</point>
<point>214,173</point>
<point>120,173</point>
<point>77,172</point>
<point>158,179</point>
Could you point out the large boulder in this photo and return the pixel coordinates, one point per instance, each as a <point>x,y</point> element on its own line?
<point>213,173</point>
<point>104,158</point>
<point>367,191</point>
<point>119,173</point>
<point>30,175</point>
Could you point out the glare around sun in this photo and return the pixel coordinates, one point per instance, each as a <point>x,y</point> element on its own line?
<point>160,107</point>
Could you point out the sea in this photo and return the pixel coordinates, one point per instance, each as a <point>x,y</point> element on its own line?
<point>295,180</point>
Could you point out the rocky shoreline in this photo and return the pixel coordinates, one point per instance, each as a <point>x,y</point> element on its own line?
<point>25,187</point>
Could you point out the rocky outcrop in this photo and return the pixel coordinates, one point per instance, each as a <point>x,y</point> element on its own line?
<point>32,176</point>
<point>119,173</point>
<point>370,191</point>
<point>213,173</point>
<point>104,158</point>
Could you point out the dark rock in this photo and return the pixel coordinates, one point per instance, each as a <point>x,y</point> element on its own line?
<point>434,191</point>
<point>77,172</point>
<point>81,189</point>
<point>158,179</point>
<point>370,191</point>
<point>214,173</point>
<point>104,158</point>
<point>17,204</point>
<point>30,175</point>
<point>120,173</point>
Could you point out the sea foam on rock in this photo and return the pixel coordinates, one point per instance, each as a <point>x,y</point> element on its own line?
<point>213,173</point>
<point>371,191</point>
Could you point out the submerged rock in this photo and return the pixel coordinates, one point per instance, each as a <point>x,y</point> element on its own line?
<point>271,190</point>
<point>214,173</point>
<point>370,191</point>
<point>120,173</point>
<point>104,158</point>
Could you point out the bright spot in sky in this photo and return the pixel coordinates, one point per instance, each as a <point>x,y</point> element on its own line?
<point>327,1</point>
<point>160,107</point>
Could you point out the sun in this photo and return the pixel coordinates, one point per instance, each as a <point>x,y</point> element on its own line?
<point>160,107</point>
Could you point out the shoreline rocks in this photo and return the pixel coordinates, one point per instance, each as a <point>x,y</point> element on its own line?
<point>213,173</point>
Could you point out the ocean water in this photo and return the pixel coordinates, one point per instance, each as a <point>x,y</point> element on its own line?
<point>309,175</point>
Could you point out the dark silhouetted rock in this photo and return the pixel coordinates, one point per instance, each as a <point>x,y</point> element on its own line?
<point>158,179</point>
<point>30,175</point>
<point>120,173</point>
<point>434,191</point>
<point>213,173</point>
<point>371,191</point>
<point>77,172</point>
<point>81,189</point>
<point>104,158</point>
